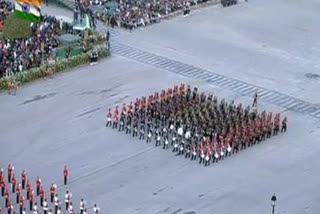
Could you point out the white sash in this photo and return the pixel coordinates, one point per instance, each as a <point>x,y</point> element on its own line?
<point>229,149</point>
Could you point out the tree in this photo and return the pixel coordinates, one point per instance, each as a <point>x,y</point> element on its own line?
<point>16,28</point>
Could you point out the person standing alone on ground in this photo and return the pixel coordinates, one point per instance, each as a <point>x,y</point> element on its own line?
<point>65,174</point>
<point>255,100</point>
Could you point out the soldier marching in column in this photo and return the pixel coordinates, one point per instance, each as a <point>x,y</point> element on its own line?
<point>182,118</point>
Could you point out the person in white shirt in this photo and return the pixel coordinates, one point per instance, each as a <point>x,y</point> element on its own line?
<point>45,206</point>
<point>95,209</point>
<point>35,208</point>
<point>67,199</point>
<point>56,203</point>
<point>70,210</point>
<point>82,205</point>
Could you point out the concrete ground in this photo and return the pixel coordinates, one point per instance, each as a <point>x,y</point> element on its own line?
<point>60,120</point>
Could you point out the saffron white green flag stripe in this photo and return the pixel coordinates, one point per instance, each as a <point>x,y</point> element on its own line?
<point>28,9</point>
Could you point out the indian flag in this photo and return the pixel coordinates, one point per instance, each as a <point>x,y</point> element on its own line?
<point>28,9</point>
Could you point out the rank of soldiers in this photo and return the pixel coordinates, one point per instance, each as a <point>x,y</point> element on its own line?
<point>195,125</point>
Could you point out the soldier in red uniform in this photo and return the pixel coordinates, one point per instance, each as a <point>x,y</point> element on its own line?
<point>109,118</point>
<point>38,184</point>
<point>31,199</point>
<point>9,169</point>
<point>21,203</point>
<point>18,193</point>
<point>6,197</point>
<point>28,189</point>
<point>65,174</point>
<point>208,156</point>
<point>13,182</point>
<point>41,194</point>
<point>9,207</point>
<point>115,120</point>
<point>23,178</point>
<point>52,190</point>
<point>3,186</point>
<point>1,174</point>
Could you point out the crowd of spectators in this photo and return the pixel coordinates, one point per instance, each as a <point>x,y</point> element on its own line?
<point>21,54</point>
<point>135,13</point>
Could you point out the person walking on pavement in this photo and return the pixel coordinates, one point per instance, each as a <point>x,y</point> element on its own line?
<point>70,210</point>
<point>31,200</point>
<point>52,191</point>
<point>255,100</point>
<point>65,174</point>
<point>21,203</point>
<point>56,203</point>
<point>35,208</point>
<point>3,186</point>
<point>59,210</point>
<point>13,183</point>
<point>6,197</point>
<point>41,194</point>
<point>67,199</point>
<point>45,206</point>
<point>18,193</point>
<point>23,179</point>
<point>96,209</point>
<point>10,169</point>
<point>38,184</point>
<point>82,205</point>
<point>9,207</point>
<point>28,189</point>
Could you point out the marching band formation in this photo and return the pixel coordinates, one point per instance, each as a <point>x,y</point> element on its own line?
<point>195,125</point>
<point>30,204</point>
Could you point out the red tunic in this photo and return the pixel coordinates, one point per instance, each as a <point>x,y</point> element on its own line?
<point>65,172</point>
<point>23,175</point>
<point>52,189</point>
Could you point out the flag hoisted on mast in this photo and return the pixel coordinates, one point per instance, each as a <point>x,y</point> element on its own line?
<point>28,9</point>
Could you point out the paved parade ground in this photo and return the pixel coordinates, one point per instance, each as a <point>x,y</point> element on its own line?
<point>271,46</point>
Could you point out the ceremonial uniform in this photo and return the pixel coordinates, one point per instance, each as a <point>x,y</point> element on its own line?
<point>67,199</point>
<point>31,200</point>
<point>56,204</point>
<point>23,179</point>
<point>109,117</point>
<point>82,206</point>
<point>9,169</point>
<point>38,184</point>
<point>21,204</point>
<point>41,194</point>
<point>52,190</point>
<point>18,193</point>
<point>28,189</point>
<point>13,183</point>
<point>65,175</point>
<point>3,186</point>
<point>45,206</point>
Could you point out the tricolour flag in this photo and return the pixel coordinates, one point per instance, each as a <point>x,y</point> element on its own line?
<point>28,9</point>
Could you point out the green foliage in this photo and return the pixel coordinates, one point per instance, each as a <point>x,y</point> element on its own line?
<point>16,28</point>
<point>58,66</point>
